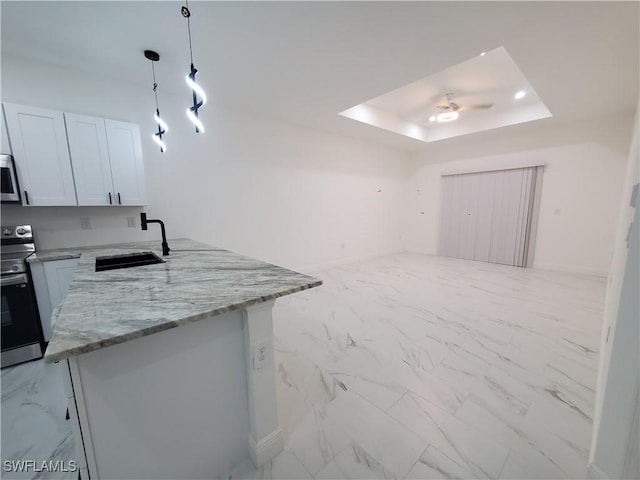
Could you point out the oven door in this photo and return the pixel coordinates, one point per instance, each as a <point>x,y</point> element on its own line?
<point>9,193</point>
<point>20,321</point>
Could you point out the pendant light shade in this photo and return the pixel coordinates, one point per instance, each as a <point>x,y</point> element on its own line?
<point>192,112</point>
<point>162,125</point>
<point>196,90</point>
<point>162,129</point>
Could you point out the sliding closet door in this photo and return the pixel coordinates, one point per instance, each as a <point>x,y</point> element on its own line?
<point>468,215</point>
<point>506,208</point>
<point>487,216</point>
<point>529,179</point>
<point>484,214</point>
<point>451,195</point>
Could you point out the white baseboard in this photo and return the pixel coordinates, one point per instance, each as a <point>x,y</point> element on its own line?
<point>594,473</point>
<point>558,267</point>
<point>266,448</point>
<point>422,251</point>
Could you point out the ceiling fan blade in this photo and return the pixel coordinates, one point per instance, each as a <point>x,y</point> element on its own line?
<point>476,107</point>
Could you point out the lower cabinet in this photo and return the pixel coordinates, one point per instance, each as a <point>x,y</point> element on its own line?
<point>51,280</point>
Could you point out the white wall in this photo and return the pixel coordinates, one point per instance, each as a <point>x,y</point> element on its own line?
<point>619,359</point>
<point>579,202</point>
<point>282,193</point>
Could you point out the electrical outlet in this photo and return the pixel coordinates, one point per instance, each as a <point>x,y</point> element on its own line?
<point>259,354</point>
<point>131,222</point>
<point>85,223</point>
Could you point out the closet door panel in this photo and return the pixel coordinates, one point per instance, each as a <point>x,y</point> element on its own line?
<point>497,237</point>
<point>446,220</point>
<point>469,185</point>
<point>484,216</point>
<point>445,216</point>
<point>454,209</point>
<point>504,228</point>
<point>524,212</point>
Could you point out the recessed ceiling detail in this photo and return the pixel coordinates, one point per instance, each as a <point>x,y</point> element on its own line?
<point>486,92</point>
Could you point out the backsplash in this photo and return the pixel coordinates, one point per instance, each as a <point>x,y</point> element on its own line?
<point>61,227</point>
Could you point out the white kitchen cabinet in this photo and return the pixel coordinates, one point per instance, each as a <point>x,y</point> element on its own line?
<point>4,136</point>
<point>107,161</point>
<point>127,169</point>
<point>90,159</point>
<point>39,144</point>
<point>51,280</point>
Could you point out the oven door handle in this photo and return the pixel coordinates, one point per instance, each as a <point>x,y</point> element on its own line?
<point>14,280</point>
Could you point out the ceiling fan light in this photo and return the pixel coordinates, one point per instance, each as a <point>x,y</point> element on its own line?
<point>447,117</point>
<point>432,118</point>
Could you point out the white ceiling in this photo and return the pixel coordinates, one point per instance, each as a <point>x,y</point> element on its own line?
<point>304,62</point>
<point>490,79</point>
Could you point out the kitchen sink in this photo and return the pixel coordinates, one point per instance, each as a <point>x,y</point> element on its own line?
<point>126,260</point>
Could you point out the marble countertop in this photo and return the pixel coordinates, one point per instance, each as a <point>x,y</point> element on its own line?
<point>197,281</point>
<point>58,254</point>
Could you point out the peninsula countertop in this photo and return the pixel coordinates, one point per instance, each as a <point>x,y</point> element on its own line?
<point>196,281</point>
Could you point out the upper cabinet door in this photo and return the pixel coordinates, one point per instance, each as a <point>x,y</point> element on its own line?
<point>4,136</point>
<point>127,169</point>
<point>41,154</point>
<point>90,159</point>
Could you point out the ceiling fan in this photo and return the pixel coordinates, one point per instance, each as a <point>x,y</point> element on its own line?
<point>449,112</point>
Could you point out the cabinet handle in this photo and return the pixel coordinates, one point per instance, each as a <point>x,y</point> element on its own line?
<point>119,199</point>
<point>26,197</point>
<point>110,202</point>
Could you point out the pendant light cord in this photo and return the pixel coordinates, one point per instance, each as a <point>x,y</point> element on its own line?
<point>187,14</point>
<point>155,85</point>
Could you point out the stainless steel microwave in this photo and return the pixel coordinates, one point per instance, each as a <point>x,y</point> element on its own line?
<point>10,191</point>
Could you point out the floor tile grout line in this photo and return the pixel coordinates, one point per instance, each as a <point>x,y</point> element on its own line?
<point>417,460</point>
<point>301,463</point>
<point>396,402</point>
<point>505,463</point>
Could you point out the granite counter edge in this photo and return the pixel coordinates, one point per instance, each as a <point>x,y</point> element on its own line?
<point>169,324</point>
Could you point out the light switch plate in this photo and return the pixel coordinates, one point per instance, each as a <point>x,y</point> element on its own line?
<point>85,223</point>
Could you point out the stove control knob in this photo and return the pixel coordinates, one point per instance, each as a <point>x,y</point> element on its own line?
<point>7,232</point>
<point>22,231</point>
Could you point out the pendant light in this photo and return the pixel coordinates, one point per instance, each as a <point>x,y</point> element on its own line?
<point>162,126</point>
<point>196,90</point>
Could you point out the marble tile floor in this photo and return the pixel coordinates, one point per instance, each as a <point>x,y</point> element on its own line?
<point>33,419</point>
<point>413,366</point>
<point>405,366</point>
